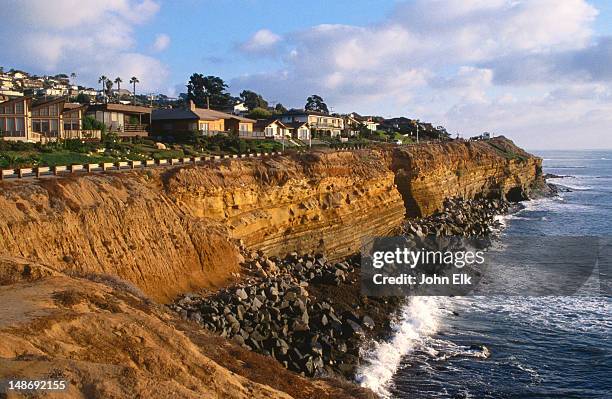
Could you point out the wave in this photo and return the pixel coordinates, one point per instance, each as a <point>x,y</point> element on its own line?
<point>563,181</point>
<point>418,320</point>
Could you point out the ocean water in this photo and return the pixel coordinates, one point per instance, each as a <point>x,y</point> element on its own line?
<point>512,346</point>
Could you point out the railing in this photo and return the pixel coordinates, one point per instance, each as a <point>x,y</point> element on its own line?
<point>48,171</point>
<point>82,134</point>
<point>43,171</point>
<point>134,127</point>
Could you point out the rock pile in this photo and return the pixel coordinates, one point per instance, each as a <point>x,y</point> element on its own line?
<point>275,310</point>
<point>275,315</point>
<point>466,218</point>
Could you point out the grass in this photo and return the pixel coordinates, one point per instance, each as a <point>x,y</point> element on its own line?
<point>23,155</point>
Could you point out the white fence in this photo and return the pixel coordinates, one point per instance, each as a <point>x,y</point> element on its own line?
<point>64,170</point>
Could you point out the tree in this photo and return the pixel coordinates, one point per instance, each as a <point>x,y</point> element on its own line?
<point>109,88</point>
<point>315,103</point>
<point>207,91</point>
<point>118,81</point>
<point>280,109</point>
<point>83,98</point>
<point>253,100</point>
<point>259,113</point>
<point>102,79</point>
<point>133,81</point>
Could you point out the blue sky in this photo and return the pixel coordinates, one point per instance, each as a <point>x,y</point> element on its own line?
<point>537,71</point>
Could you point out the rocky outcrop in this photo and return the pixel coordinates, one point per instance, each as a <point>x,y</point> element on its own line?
<point>427,175</point>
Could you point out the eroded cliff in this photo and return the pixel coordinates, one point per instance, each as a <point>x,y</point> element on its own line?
<point>426,175</point>
<point>174,230</point>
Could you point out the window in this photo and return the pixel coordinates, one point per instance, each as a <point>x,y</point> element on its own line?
<point>54,126</point>
<point>2,124</point>
<point>10,124</point>
<point>244,127</point>
<point>269,131</point>
<point>53,110</point>
<point>19,126</point>
<point>19,108</point>
<point>204,127</point>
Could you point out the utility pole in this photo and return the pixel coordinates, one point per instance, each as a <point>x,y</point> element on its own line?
<point>417,132</point>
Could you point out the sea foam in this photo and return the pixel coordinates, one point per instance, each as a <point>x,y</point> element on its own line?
<point>418,320</point>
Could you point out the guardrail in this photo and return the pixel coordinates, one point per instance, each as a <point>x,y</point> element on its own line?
<point>65,170</point>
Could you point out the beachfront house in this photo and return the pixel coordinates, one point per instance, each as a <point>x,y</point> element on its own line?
<point>124,120</point>
<point>206,121</point>
<point>24,119</point>
<point>271,129</point>
<point>14,120</point>
<point>318,122</point>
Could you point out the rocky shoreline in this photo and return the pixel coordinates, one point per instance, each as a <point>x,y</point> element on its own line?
<point>307,312</point>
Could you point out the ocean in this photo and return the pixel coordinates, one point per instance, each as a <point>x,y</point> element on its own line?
<point>512,346</point>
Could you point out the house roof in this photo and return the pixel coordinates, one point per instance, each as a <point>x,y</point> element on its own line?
<point>72,106</point>
<point>293,112</point>
<point>263,123</point>
<point>122,108</point>
<point>196,113</point>
<point>211,114</point>
<point>296,125</point>
<point>40,103</point>
<point>10,100</point>
<point>172,114</point>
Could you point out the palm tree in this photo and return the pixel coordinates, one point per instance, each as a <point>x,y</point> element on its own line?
<point>102,79</point>
<point>133,81</point>
<point>118,81</point>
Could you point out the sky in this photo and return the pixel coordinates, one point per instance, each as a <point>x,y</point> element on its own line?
<point>536,71</point>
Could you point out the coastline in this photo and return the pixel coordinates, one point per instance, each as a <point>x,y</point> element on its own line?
<point>323,201</point>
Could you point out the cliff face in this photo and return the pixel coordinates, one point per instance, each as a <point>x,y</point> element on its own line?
<point>426,175</point>
<point>175,230</point>
<point>324,202</point>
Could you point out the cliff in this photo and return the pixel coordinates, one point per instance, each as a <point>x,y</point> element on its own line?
<point>65,314</point>
<point>175,230</point>
<point>427,175</point>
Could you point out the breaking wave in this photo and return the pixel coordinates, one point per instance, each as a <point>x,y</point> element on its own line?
<point>418,320</point>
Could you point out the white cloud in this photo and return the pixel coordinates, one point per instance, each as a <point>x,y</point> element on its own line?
<point>263,41</point>
<point>473,65</point>
<point>162,41</point>
<point>90,39</point>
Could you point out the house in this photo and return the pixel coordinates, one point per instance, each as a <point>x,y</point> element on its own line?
<point>23,119</point>
<point>14,120</point>
<point>369,122</point>
<point>299,130</point>
<point>320,123</point>
<point>207,121</point>
<point>271,129</point>
<point>352,126</point>
<point>239,108</point>
<point>124,120</point>
<point>58,119</point>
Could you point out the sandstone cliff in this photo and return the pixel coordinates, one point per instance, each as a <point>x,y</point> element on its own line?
<point>175,230</point>
<point>426,175</point>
